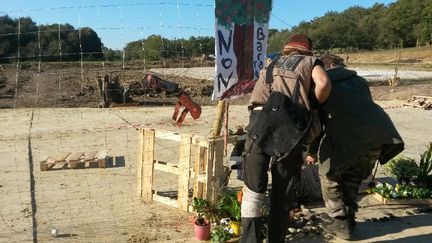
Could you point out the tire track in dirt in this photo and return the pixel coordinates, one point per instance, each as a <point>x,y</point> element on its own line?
<point>32,183</point>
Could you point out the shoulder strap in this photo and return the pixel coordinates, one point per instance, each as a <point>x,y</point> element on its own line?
<point>269,72</point>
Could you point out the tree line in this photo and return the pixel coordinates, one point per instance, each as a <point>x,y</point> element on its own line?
<point>405,23</point>
<point>53,42</point>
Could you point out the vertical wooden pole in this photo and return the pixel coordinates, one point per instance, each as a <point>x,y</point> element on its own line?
<point>148,164</point>
<point>209,170</point>
<point>184,176</point>
<point>217,123</point>
<point>226,129</point>
<point>140,162</point>
<point>218,168</point>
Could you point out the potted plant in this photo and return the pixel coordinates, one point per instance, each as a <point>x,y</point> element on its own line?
<point>220,234</point>
<point>206,213</point>
<point>405,191</point>
<point>424,176</point>
<point>403,169</point>
<point>230,204</point>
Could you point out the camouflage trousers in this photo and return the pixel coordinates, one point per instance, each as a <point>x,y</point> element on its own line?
<point>340,186</point>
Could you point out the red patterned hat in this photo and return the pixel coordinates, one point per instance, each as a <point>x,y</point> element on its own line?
<point>300,41</point>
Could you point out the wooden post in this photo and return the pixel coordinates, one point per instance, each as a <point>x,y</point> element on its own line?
<point>226,129</point>
<point>218,167</point>
<point>184,170</point>
<point>209,170</point>
<point>140,162</point>
<point>217,123</point>
<point>148,159</point>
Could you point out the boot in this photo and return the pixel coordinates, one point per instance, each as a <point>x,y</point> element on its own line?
<point>340,227</point>
<point>327,219</point>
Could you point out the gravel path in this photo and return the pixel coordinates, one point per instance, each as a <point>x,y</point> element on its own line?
<point>370,74</point>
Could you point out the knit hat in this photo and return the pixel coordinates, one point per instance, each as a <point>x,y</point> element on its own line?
<point>300,42</point>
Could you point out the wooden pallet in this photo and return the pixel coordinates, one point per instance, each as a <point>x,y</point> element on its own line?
<point>388,201</point>
<point>77,160</point>
<point>200,166</point>
<point>418,101</point>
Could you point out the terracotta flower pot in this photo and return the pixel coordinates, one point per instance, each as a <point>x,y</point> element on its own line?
<point>202,232</point>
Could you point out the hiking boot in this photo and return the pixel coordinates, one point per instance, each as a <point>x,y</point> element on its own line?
<point>338,227</point>
<point>327,219</point>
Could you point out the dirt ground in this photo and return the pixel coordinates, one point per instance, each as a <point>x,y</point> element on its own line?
<point>68,85</point>
<point>100,205</point>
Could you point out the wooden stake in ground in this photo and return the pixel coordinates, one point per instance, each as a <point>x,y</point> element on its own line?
<point>217,123</point>
<point>226,130</point>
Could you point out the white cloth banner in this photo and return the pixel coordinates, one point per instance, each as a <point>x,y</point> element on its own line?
<point>241,35</point>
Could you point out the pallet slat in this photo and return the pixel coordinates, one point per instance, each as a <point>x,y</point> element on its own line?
<point>184,169</point>
<point>147,165</point>
<point>60,165</point>
<point>75,156</point>
<point>76,160</point>
<point>90,155</point>
<point>60,157</point>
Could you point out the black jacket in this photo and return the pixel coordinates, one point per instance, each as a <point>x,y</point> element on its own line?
<point>353,123</point>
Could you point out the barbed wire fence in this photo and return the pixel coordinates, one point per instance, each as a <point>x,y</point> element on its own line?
<point>93,204</point>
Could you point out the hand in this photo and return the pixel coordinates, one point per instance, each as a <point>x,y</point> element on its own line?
<point>311,160</point>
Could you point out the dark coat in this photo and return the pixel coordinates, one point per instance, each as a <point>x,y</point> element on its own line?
<point>353,123</point>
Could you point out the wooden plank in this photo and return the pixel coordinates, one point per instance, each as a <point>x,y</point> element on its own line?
<point>184,169</point>
<point>173,136</point>
<point>101,157</point>
<point>166,167</point>
<point>199,170</point>
<point>93,164</point>
<point>50,159</point>
<point>140,154</point>
<point>196,171</point>
<point>148,165</point>
<point>388,201</point>
<point>209,170</point>
<point>90,155</point>
<point>165,200</point>
<point>204,143</point>
<point>43,165</point>
<point>46,165</point>
<point>61,156</point>
<point>422,97</point>
<point>75,156</point>
<point>60,165</point>
<point>218,168</point>
<point>76,164</point>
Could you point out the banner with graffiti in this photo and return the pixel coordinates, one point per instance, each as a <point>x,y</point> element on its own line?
<point>241,36</point>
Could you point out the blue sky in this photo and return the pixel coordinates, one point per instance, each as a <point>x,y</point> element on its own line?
<point>118,22</point>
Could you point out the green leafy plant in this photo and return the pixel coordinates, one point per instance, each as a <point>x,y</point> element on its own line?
<point>405,191</point>
<point>425,165</point>
<point>229,203</point>
<point>205,210</point>
<point>401,167</point>
<point>220,233</point>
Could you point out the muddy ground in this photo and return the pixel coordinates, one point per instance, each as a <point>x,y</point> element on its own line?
<point>69,85</point>
<point>100,205</point>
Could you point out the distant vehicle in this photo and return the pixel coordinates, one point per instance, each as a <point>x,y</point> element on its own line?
<point>272,56</point>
